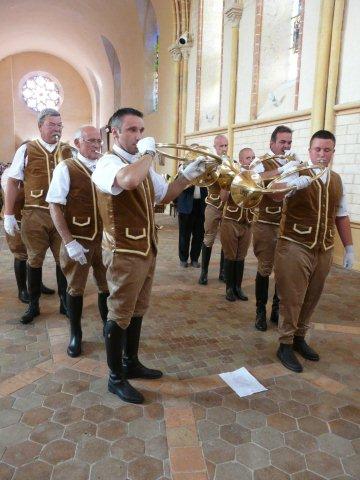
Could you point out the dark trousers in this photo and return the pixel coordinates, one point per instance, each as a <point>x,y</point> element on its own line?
<point>191,226</point>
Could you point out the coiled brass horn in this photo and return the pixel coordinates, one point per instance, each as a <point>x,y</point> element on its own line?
<point>192,153</point>
<point>247,188</point>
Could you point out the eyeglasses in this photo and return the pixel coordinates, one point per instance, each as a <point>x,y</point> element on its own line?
<point>93,141</point>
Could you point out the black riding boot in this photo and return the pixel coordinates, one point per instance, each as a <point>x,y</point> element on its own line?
<point>62,286</point>
<point>222,268</point>
<point>20,275</point>
<point>103,308</point>
<point>205,259</point>
<point>288,358</point>
<point>229,267</point>
<point>261,293</point>
<point>46,290</point>
<point>115,338</point>
<point>34,289</point>
<point>274,317</point>
<point>300,346</point>
<point>133,368</point>
<point>74,306</point>
<point>239,273</point>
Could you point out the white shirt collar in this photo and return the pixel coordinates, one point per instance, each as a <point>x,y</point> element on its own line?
<point>128,156</point>
<point>50,147</point>
<point>91,164</point>
<point>282,161</point>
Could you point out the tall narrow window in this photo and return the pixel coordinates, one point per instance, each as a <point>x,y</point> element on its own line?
<point>279,57</point>
<point>156,76</point>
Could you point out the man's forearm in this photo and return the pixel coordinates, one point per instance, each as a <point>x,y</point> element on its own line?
<point>175,188</point>
<point>130,177</point>
<point>11,194</point>
<point>344,229</point>
<point>60,223</point>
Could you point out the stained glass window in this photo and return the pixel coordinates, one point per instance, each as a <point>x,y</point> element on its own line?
<point>39,91</point>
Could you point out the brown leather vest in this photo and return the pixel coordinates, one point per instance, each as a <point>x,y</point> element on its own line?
<point>213,197</point>
<point>269,211</point>
<point>38,171</point>
<point>239,214</point>
<point>81,211</point>
<point>128,218</point>
<point>309,215</point>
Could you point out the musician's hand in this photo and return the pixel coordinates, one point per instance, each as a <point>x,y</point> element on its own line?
<point>146,144</point>
<point>195,168</point>
<point>289,166</point>
<point>76,252</point>
<point>300,182</point>
<point>349,257</point>
<point>10,225</point>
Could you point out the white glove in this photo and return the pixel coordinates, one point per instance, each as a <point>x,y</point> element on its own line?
<point>349,257</point>
<point>76,252</point>
<point>146,144</point>
<point>10,225</point>
<point>197,167</point>
<point>289,166</point>
<point>299,182</point>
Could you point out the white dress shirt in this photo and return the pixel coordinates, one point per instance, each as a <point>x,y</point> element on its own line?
<point>19,162</point>
<point>60,182</point>
<point>109,165</point>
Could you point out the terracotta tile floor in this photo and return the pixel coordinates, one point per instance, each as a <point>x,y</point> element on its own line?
<point>57,420</point>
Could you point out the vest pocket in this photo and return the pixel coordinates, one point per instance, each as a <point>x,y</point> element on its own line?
<point>36,193</point>
<point>135,233</point>
<point>214,197</point>
<point>232,209</point>
<point>302,229</point>
<point>81,221</point>
<point>273,210</point>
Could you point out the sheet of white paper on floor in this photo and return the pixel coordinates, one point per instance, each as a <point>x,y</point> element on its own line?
<point>242,382</point>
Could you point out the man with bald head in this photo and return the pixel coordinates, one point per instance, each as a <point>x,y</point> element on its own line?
<point>73,208</point>
<point>213,215</point>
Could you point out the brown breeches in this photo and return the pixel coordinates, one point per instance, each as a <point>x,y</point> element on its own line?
<point>235,239</point>
<point>300,274</point>
<point>129,279</point>
<point>265,236</point>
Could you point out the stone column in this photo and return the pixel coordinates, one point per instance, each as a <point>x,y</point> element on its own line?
<point>233,16</point>
<point>335,53</point>
<point>322,65</point>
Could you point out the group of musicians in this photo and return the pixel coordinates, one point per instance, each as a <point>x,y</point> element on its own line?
<point>98,210</point>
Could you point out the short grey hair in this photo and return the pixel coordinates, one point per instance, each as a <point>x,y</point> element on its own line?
<point>47,112</point>
<point>79,132</point>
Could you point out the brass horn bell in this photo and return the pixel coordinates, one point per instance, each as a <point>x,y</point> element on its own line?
<point>247,188</point>
<point>193,151</point>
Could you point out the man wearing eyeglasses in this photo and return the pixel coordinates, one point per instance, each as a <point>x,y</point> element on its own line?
<point>33,164</point>
<point>304,251</point>
<point>73,208</point>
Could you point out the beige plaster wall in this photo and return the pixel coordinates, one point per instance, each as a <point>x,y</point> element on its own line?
<point>75,109</point>
<point>7,131</point>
